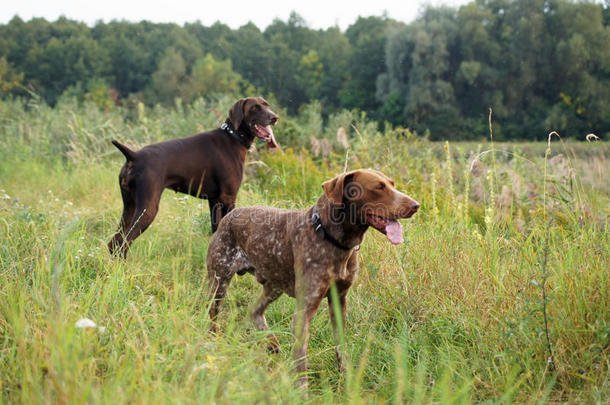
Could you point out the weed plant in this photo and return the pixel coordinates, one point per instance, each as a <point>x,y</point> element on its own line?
<point>500,293</point>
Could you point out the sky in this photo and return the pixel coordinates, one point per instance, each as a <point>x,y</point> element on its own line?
<point>235,13</point>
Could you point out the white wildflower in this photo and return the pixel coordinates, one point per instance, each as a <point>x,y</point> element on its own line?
<point>85,323</point>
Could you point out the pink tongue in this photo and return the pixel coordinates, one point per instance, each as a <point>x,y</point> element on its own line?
<point>393,231</point>
<point>271,143</point>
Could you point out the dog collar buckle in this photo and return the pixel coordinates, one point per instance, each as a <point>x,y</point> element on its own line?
<point>315,220</point>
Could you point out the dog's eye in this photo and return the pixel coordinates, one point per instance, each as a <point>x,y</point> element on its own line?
<point>380,186</point>
<point>255,107</point>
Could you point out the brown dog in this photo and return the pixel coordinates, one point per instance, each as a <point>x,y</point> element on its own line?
<point>208,165</point>
<point>303,252</point>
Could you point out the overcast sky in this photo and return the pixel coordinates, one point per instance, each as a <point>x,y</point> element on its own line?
<point>235,13</point>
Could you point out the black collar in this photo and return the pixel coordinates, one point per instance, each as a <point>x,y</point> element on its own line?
<point>241,137</point>
<point>316,222</point>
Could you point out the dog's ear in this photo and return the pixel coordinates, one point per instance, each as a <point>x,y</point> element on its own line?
<point>334,188</point>
<point>236,113</point>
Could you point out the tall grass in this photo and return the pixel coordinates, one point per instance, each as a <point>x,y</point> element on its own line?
<point>454,315</point>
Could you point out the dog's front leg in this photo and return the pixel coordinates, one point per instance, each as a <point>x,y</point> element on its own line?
<point>220,207</point>
<point>308,295</point>
<point>300,324</point>
<point>337,320</point>
<point>216,210</point>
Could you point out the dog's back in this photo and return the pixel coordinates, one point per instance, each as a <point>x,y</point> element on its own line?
<point>268,235</point>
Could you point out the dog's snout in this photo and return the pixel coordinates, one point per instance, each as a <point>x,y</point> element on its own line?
<point>409,209</point>
<point>273,118</point>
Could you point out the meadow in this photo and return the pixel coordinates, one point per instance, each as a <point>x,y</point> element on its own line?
<point>500,293</point>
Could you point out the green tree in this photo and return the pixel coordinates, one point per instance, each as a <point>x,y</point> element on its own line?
<point>11,82</point>
<point>133,59</point>
<point>581,93</point>
<point>251,55</point>
<point>288,42</point>
<point>541,64</point>
<point>477,76</point>
<point>170,80</point>
<point>310,73</point>
<point>210,76</point>
<point>368,37</point>
<point>335,53</point>
<point>420,67</point>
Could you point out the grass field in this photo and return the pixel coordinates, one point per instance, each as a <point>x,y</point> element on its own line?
<point>500,294</point>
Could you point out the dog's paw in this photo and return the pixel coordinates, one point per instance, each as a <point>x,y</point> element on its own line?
<point>273,346</point>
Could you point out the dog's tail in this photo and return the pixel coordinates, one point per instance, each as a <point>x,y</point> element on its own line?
<point>129,154</point>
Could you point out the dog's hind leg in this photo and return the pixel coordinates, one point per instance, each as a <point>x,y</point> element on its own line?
<point>148,195</point>
<point>258,314</point>
<point>220,207</point>
<point>224,260</point>
<point>218,283</point>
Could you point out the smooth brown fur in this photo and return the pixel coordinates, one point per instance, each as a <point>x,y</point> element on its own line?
<point>209,165</point>
<point>282,250</point>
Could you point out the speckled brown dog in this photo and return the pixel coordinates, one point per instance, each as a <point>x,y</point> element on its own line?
<point>302,252</point>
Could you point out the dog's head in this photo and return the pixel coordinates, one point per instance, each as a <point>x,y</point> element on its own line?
<point>374,200</point>
<point>254,115</point>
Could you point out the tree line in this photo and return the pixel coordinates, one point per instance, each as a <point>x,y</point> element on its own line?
<point>541,65</point>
